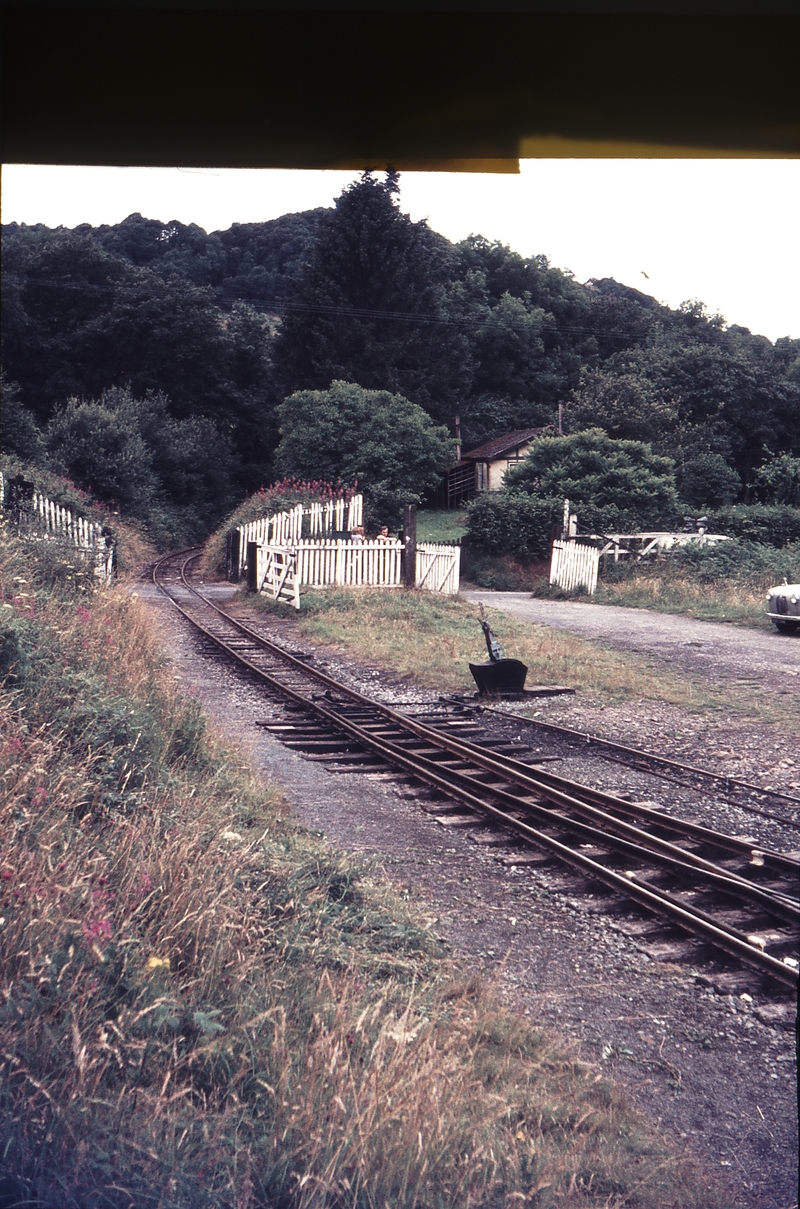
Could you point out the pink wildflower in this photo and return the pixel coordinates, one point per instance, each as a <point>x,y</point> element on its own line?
<point>96,929</point>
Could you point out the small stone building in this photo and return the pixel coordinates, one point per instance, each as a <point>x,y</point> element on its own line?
<point>482,469</point>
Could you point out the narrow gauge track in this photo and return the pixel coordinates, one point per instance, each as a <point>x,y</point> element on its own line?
<point>721,890</point>
<point>737,791</point>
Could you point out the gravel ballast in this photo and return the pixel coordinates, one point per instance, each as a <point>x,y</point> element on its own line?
<point>715,1071</point>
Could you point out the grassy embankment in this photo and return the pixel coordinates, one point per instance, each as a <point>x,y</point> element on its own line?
<point>203,1006</point>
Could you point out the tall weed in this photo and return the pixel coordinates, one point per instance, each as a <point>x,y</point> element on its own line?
<point>202,1006</point>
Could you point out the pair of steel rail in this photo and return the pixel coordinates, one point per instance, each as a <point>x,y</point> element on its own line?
<point>573,823</point>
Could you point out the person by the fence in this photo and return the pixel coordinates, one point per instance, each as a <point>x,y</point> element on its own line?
<point>383,534</point>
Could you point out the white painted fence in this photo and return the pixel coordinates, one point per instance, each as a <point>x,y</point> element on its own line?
<point>286,528</point>
<point>286,560</point>
<point>276,574</point>
<point>573,565</point>
<point>326,563</point>
<point>438,567</point>
<point>42,517</point>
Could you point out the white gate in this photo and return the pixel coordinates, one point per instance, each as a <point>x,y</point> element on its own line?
<point>438,568</point>
<point>574,565</point>
<point>276,574</point>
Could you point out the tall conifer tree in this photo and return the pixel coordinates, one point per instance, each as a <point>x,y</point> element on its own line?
<point>369,306</point>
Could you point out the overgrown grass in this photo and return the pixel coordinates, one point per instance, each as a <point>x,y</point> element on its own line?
<point>432,639</point>
<point>203,1006</point>
<point>728,582</point>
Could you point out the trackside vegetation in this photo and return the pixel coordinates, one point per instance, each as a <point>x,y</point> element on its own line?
<point>205,1006</point>
<point>430,640</point>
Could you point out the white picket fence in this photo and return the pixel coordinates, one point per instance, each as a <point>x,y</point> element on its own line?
<point>286,528</point>
<point>574,565</point>
<point>326,563</point>
<point>438,568</point>
<point>42,517</point>
<point>286,560</point>
<point>282,571</point>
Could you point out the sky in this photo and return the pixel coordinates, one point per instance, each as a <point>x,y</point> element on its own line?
<point>725,232</point>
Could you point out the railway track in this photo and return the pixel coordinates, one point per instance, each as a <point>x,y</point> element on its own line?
<point>737,792</point>
<point>707,892</point>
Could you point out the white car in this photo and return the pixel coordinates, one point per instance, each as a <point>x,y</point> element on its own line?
<point>783,607</point>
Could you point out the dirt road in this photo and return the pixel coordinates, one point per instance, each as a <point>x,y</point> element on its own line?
<point>714,650</point>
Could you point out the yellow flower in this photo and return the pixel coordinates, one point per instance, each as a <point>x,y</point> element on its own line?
<point>156,963</point>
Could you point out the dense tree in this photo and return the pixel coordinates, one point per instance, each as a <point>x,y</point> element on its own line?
<point>129,452</point>
<point>529,335</point>
<point>610,483</point>
<point>707,480</point>
<point>226,324</point>
<point>369,306</point>
<point>21,434</point>
<point>778,480</point>
<point>102,450</point>
<point>696,391</point>
<point>79,321</point>
<point>253,262</point>
<point>386,443</point>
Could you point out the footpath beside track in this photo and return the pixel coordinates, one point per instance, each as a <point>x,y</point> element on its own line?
<point>707,891</point>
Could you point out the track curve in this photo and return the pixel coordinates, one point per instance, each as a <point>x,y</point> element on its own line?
<point>722,891</point>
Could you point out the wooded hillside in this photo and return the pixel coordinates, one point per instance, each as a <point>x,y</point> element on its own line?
<point>185,344</point>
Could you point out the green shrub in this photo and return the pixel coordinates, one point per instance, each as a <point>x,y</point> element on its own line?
<point>737,562</point>
<point>768,524</point>
<point>512,522</point>
<point>612,485</point>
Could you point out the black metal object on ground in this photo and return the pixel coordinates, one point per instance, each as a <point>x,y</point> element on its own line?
<point>498,677</point>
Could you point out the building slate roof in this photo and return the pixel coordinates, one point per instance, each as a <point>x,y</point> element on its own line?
<point>501,445</point>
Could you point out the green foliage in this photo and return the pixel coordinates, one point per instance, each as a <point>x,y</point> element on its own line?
<point>695,389</point>
<point>707,479</point>
<point>778,480</point>
<point>385,444</point>
<point>610,483</point>
<point>253,261</point>
<point>737,561</point>
<point>514,522</point>
<point>371,263</point>
<point>771,525</point>
<point>175,475</point>
<point>102,449</point>
<point>78,321</point>
<point>21,434</point>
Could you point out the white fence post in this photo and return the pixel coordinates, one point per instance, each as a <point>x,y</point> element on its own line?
<point>54,522</point>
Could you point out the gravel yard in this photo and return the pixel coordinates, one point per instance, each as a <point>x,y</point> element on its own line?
<point>715,1070</point>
